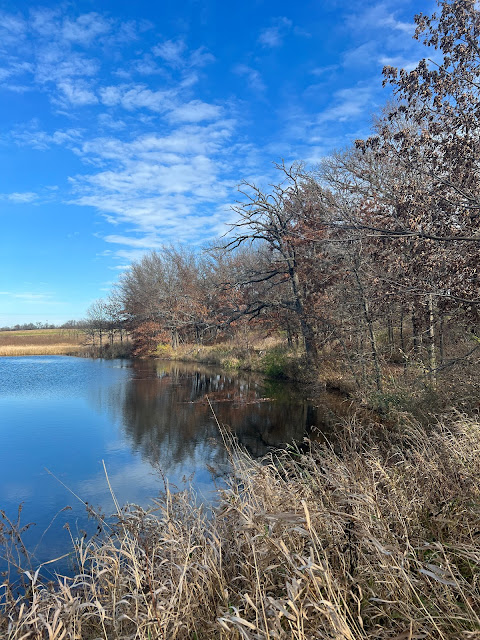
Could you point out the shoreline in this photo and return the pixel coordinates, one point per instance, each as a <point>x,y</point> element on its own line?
<point>372,539</point>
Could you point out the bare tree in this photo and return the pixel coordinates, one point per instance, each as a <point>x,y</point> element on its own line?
<point>281,224</point>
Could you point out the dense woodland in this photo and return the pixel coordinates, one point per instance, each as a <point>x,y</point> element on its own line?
<point>370,258</point>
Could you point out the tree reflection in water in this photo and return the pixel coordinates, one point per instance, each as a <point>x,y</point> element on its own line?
<point>167,417</point>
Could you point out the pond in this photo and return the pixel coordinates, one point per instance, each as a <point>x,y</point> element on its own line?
<point>149,422</point>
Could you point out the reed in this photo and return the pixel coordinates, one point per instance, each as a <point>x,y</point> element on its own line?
<point>375,536</point>
<point>39,350</point>
<point>40,342</point>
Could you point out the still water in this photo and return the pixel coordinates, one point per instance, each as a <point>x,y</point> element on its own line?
<point>149,421</point>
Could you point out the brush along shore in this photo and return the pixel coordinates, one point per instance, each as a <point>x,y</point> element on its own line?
<point>376,536</point>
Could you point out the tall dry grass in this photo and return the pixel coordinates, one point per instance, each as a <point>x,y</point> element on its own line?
<point>373,537</point>
<point>40,342</point>
<point>40,350</point>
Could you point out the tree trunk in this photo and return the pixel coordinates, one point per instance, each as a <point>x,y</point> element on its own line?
<point>289,335</point>
<point>391,337</point>
<point>415,332</point>
<point>441,344</point>
<point>371,334</point>
<point>373,345</point>
<point>175,339</point>
<point>402,340</point>
<point>432,359</point>
<point>308,333</point>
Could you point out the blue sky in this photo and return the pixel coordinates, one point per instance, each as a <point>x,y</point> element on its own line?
<point>126,125</point>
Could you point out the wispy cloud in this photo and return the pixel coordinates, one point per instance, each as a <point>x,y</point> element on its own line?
<point>171,52</point>
<point>86,28</point>
<point>20,198</point>
<point>147,242</point>
<point>379,16</point>
<point>76,93</point>
<point>349,103</point>
<point>398,61</point>
<point>176,54</point>
<point>163,183</point>
<point>195,111</point>
<point>30,135</point>
<point>30,297</point>
<point>273,36</point>
<point>120,267</point>
<point>60,54</point>
<point>253,77</point>
<point>362,56</point>
<point>137,96</point>
<point>321,71</point>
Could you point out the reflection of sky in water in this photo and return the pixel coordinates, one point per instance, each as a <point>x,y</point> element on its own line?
<point>68,414</point>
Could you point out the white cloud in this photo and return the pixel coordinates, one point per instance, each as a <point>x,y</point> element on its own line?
<point>77,94</point>
<point>15,69</point>
<point>162,186</point>
<point>17,88</point>
<point>131,255</point>
<point>147,242</point>
<point>120,267</point>
<point>85,28</point>
<point>33,137</point>
<point>12,24</point>
<point>20,198</point>
<point>105,120</point>
<point>34,297</point>
<point>398,61</point>
<point>195,111</point>
<point>147,66</point>
<point>171,52</point>
<point>45,22</point>
<point>320,71</point>
<point>56,65</point>
<point>254,78</point>
<point>362,56</point>
<point>137,96</point>
<point>377,17</point>
<point>273,36</point>
<point>349,103</point>
<point>175,54</point>
<point>201,57</point>
<point>55,58</point>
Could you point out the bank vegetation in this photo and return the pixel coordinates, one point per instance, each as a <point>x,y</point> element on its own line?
<point>372,536</point>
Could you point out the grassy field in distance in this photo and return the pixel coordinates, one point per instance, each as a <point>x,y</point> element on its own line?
<point>40,342</point>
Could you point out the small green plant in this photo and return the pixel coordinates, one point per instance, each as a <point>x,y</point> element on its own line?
<point>275,363</point>
<point>164,351</point>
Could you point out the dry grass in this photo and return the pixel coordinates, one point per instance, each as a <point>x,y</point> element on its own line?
<point>39,350</point>
<point>243,351</point>
<point>40,342</point>
<point>376,537</point>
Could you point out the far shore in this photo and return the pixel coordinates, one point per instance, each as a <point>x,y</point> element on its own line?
<point>41,342</point>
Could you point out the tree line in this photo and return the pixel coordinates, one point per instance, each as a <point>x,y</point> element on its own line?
<point>373,256</point>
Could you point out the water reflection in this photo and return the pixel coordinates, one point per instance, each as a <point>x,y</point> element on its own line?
<point>70,414</point>
<point>167,417</point>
